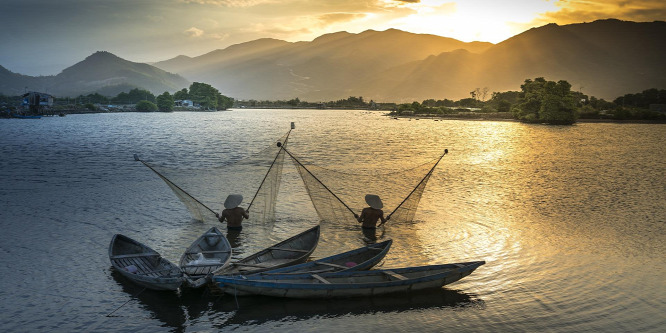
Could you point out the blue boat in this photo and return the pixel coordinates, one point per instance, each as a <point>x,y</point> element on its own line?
<point>359,259</point>
<point>22,116</point>
<point>347,284</point>
<point>294,250</point>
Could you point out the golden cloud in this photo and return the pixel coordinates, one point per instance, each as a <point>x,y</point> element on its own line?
<point>331,18</point>
<point>574,11</point>
<point>194,32</point>
<point>230,3</point>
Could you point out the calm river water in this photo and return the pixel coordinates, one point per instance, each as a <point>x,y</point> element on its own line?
<point>571,221</point>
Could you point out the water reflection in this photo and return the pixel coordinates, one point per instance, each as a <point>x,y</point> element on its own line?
<point>165,306</point>
<point>570,220</point>
<point>234,238</point>
<point>259,309</point>
<point>370,235</point>
<point>179,310</point>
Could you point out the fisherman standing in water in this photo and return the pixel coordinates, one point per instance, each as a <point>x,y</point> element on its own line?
<point>232,213</point>
<point>370,215</point>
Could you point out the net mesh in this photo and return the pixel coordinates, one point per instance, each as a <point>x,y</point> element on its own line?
<point>203,189</point>
<point>338,195</point>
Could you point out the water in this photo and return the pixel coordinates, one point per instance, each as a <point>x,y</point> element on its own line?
<point>570,220</point>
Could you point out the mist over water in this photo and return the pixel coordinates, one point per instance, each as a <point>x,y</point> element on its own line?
<point>569,219</point>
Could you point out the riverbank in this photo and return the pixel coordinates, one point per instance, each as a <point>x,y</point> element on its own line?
<point>490,116</point>
<point>507,116</point>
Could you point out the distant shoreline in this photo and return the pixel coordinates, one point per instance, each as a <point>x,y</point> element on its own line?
<point>496,116</point>
<point>506,116</point>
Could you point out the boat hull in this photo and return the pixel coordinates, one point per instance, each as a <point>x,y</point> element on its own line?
<point>143,265</point>
<point>362,258</point>
<point>348,284</point>
<point>291,251</point>
<point>215,249</point>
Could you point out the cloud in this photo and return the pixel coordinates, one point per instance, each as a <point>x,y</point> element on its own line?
<point>575,11</point>
<point>194,32</point>
<point>230,3</point>
<point>275,30</point>
<point>332,18</point>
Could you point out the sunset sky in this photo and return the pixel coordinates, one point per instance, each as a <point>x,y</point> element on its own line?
<point>43,37</point>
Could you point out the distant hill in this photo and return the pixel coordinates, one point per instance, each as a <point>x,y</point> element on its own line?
<point>15,84</point>
<point>605,58</point>
<point>101,72</point>
<point>323,69</point>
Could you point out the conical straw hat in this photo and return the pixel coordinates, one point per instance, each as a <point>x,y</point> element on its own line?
<point>233,200</point>
<point>374,201</point>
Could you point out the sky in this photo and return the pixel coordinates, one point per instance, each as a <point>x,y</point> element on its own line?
<point>43,37</point>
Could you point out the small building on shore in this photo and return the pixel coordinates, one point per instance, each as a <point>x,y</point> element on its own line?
<point>37,102</point>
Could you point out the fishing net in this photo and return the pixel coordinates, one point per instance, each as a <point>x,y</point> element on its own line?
<point>204,189</point>
<point>337,195</point>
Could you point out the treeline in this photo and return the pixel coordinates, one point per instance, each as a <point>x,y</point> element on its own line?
<point>542,101</point>
<point>348,103</point>
<point>538,101</point>
<point>203,95</point>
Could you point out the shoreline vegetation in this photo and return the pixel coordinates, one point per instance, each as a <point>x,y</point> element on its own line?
<point>478,116</point>
<point>539,101</point>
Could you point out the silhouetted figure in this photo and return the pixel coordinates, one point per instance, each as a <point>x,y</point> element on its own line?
<point>370,215</point>
<point>233,214</point>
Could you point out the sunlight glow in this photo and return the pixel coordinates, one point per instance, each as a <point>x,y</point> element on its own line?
<point>474,20</point>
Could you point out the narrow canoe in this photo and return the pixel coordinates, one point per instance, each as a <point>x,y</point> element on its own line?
<point>348,284</point>
<point>359,259</point>
<point>210,252</point>
<point>294,250</point>
<point>143,265</point>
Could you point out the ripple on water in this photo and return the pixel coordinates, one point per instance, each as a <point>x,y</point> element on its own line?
<point>568,219</point>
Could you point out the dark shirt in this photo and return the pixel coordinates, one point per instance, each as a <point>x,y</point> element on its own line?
<point>370,216</point>
<point>234,216</point>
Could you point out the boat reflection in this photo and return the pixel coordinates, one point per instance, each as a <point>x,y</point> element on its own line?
<point>261,309</point>
<point>165,306</point>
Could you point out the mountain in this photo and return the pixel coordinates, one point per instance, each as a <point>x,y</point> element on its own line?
<point>101,72</point>
<point>605,59</point>
<point>322,69</point>
<point>15,84</point>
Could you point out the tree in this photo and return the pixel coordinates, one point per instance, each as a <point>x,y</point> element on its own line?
<point>644,99</point>
<point>204,94</point>
<point>546,102</point>
<point>484,93</point>
<point>134,96</point>
<point>146,106</point>
<point>165,102</point>
<point>181,94</point>
<point>224,102</point>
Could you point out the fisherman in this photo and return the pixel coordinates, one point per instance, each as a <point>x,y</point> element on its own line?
<point>370,215</point>
<point>232,213</point>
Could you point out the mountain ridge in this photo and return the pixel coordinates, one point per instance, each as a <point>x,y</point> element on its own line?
<point>102,71</point>
<point>604,58</point>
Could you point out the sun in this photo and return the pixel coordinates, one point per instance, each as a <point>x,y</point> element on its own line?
<point>474,20</point>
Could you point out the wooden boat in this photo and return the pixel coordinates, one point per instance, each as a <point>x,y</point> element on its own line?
<point>143,265</point>
<point>210,252</point>
<point>294,250</point>
<point>347,284</point>
<point>359,259</point>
